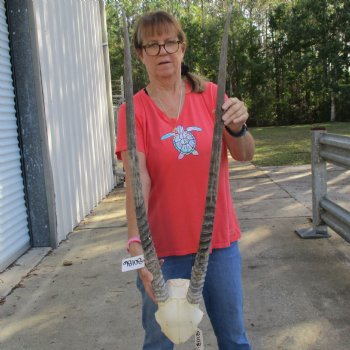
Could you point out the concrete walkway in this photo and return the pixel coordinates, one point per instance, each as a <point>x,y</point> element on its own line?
<point>297,291</point>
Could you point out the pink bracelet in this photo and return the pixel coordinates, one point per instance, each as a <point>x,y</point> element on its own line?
<point>132,240</point>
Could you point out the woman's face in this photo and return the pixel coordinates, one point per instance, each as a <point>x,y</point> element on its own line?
<point>165,65</point>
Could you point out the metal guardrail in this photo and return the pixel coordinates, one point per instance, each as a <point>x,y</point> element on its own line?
<point>334,149</point>
<point>118,91</point>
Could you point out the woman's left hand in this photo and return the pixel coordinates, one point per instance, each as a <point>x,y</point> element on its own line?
<point>235,113</point>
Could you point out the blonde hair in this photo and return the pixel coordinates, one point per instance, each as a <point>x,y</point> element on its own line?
<point>158,22</point>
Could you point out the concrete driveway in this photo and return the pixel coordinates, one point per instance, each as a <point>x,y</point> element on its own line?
<point>297,291</point>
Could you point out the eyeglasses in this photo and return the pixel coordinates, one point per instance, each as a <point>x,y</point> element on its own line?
<point>170,47</point>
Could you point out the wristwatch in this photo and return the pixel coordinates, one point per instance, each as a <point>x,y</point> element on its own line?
<point>240,133</point>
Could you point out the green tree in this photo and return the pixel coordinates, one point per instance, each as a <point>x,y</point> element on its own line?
<point>288,59</point>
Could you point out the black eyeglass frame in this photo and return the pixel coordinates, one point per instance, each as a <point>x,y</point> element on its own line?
<point>162,45</point>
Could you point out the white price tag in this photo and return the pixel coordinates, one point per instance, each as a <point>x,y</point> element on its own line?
<point>198,340</point>
<point>133,263</point>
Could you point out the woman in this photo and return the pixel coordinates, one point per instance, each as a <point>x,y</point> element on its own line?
<point>174,128</point>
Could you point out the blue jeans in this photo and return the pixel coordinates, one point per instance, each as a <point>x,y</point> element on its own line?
<point>222,295</point>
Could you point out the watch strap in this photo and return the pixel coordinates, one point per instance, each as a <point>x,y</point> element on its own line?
<point>240,133</point>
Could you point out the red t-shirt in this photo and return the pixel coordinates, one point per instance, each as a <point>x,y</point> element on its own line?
<point>178,158</point>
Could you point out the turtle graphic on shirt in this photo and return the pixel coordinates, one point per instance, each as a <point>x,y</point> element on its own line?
<point>183,140</point>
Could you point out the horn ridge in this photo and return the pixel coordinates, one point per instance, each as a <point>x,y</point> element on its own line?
<point>199,269</point>
<point>151,259</point>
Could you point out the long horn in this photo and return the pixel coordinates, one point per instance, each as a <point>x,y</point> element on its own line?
<point>201,262</point>
<point>151,260</point>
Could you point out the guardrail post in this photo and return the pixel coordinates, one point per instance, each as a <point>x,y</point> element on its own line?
<point>319,189</point>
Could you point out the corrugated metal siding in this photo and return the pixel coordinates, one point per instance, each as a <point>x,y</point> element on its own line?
<point>71,59</point>
<point>14,236</point>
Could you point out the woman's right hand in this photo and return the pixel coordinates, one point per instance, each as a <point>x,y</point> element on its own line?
<point>147,278</point>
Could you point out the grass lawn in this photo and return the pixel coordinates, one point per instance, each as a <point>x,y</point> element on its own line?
<point>289,145</point>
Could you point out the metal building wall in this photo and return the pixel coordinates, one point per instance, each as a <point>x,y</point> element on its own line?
<point>14,235</point>
<point>72,69</point>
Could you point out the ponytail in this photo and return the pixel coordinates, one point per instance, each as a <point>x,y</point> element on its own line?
<point>197,82</point>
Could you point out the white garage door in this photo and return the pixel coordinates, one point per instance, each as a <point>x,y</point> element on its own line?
<point>14,235</point>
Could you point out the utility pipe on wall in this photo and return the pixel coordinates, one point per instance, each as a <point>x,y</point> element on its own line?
<point>108,86</point>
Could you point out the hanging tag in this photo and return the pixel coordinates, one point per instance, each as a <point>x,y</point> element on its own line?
<point>133,263</point>
<point>198,340</point>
